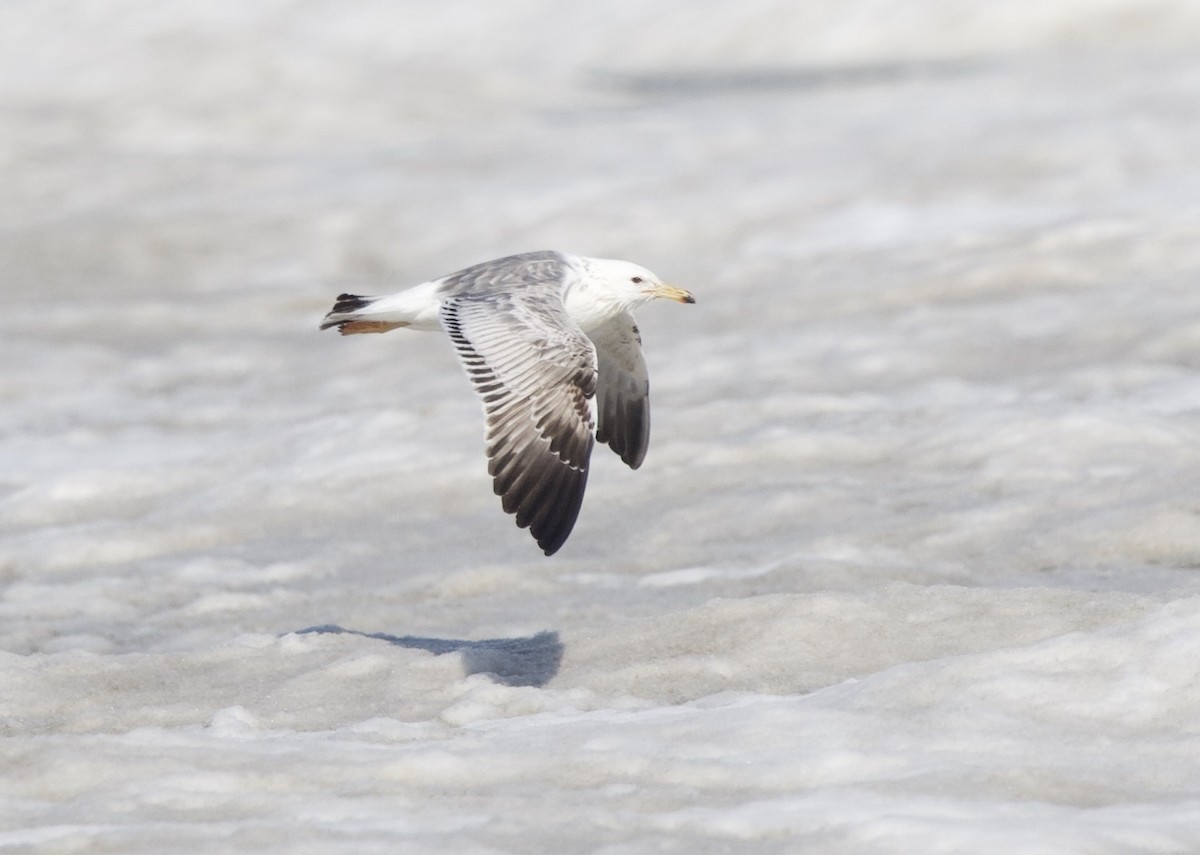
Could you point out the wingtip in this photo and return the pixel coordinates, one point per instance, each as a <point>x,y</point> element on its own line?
<point>553,541</point>
<point>553,522</point>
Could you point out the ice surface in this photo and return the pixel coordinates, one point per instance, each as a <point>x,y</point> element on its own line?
<point>912,565</point>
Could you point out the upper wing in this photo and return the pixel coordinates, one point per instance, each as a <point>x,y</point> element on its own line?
<point>536,372</point>
<point>623,389</point>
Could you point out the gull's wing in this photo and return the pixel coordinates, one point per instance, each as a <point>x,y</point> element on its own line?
<point>536,373</point>
<point>623,389</point>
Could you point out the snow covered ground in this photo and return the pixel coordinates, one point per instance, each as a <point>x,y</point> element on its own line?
<point>913,565</point>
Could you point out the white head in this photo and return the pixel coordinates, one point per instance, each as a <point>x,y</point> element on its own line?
<point>630,284</point>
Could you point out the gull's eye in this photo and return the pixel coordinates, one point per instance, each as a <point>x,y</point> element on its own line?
<point>637,280</point>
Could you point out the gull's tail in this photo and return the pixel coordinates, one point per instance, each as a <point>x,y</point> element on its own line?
<point>351,314</point>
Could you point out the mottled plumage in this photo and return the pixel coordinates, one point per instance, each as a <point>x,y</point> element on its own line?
<point>542,336</point>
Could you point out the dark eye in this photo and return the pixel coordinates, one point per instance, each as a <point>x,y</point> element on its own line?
<point>637,280</point>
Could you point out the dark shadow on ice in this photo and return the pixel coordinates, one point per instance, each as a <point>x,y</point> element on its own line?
<point>725,81</point>
<point>531,661</point>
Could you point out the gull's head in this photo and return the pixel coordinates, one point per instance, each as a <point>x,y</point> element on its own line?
<point>631,283</point>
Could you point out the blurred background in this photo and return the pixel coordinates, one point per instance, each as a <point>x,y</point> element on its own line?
<point>945,256</point>
<point>911,561</point>
<point>170,151</point>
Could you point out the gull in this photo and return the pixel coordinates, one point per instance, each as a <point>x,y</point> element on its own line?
<point>549,342</point>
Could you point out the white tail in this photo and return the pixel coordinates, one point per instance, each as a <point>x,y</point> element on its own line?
<point>416,307</point>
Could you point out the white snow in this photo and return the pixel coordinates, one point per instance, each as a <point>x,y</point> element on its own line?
<point>913,565</point>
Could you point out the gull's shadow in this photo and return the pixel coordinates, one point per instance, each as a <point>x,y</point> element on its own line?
<point>531,661</point>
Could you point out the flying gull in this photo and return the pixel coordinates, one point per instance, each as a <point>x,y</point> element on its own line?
<point>551,346</point>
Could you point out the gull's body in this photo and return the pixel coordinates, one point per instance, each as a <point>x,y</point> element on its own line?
<point>551,346</point>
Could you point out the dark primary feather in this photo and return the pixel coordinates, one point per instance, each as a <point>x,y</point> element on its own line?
<point>623,390</point>
<point>535,371</point>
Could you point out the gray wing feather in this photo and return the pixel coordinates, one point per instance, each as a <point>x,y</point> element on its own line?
<point>529,272</point>
<point>536,373</point>
<point>623,389</point>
